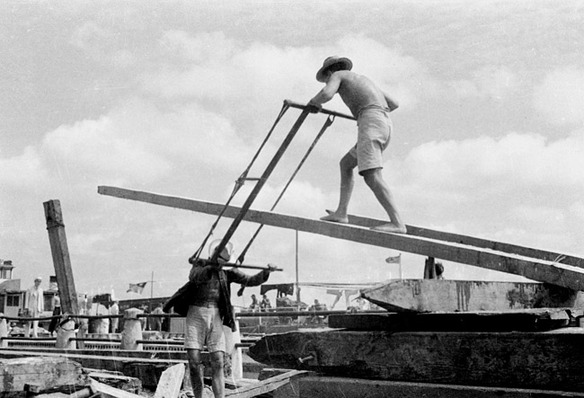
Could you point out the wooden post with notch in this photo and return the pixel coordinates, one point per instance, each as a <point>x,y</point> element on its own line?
<point>430,268</point>
<point>61,260</point>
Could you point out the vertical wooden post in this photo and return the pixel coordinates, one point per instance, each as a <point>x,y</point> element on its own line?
<point>65,331</point>
<point>232,339</point>
<point>61,259</point>
<point>132,330</point>
<point>3,331</point>
<point>297,280</point>
<point>430,268</point>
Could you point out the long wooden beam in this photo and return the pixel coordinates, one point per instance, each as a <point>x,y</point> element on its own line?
<point>428,295</point>
<point>533,268</point>
<point>474,241</point>
<point>335,387</point>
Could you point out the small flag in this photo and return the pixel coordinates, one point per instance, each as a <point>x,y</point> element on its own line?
<point>394,259</point>
<point>136,287</point>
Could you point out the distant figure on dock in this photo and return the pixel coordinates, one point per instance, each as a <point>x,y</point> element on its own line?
<point>35,305</point>
<point>371,107</point>
<point>254,306</point>
<point>265,303</point>
<point>156,322</point>
<point>114,310</point>
<point>83,305</point>
<point>433,269</point>
<point>56,313</point>
<point>439,271</point>
<point>317,306</point>
<point>145,321</point>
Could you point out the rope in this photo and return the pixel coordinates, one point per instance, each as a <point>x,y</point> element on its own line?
<point>325,126</point>
<point>559,259</point>
<point>241,180</point>
<point>238,184</point>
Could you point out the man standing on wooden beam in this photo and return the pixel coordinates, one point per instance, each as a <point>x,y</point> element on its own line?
<point>371,107</point>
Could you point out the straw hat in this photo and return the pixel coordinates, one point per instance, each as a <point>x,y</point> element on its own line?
<point>346,64</point>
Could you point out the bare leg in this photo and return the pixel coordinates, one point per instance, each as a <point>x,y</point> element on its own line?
<point>374,179</point>
<point>196,371</point>
<point>218,375</point>
<point>347,164</point>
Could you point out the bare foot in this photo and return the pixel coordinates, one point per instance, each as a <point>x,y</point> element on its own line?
<point>391,227</point>
<point>333,217</point>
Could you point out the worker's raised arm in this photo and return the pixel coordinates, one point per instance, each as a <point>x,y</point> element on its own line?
<point>328,91</point>
<point>391,102</point>
<point>236,276</point>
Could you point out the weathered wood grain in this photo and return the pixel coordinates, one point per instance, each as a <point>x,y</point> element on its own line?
<point>424,295</point>
<point>61,258</point>
<point>335,387</point>
<point>44,373</point>
<point>550,360</point>
<point>478,321</point>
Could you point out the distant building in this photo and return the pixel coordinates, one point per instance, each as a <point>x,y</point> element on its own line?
<point>12,297</point>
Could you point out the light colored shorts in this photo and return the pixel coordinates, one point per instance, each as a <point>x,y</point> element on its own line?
<point>374,134</point>
<point>204,328</point>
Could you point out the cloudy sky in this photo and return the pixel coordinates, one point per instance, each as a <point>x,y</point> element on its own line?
<point>175,97</point>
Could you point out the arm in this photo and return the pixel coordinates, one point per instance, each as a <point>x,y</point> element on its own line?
<point>328,91</point>
<point>391,103</point>
<point>235,275</point>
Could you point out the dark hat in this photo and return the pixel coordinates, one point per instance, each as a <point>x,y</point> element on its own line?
<point>330,61</point>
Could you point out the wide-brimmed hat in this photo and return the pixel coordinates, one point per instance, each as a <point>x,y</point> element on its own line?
<point>225,254</point>
<point>330,61</point>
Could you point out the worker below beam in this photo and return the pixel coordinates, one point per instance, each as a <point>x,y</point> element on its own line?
<point>208,298</point>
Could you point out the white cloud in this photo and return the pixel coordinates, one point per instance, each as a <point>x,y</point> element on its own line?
<point>518,160</point>
<point>90,36</point>
<point>519,182</point>
<point>201,49</point>
<point>491,82</point>
<point>300,199</point>
<point>23,170</point>
<point>560,97</point>
<point>99,147</point>
<point>139,142</point>
<point>242,79</point>
<point>218,69</point>
<point>577,210</point>
<point>401,75</point>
